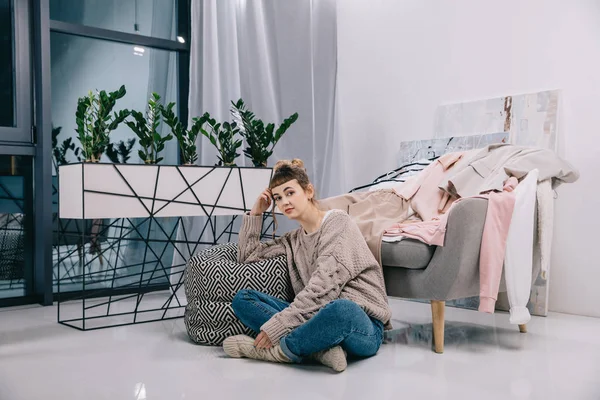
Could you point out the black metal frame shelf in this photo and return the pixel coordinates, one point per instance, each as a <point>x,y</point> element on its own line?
<point>103,288</point>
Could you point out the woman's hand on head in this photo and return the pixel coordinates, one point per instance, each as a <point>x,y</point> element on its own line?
<point>263,202</point>
<point>262,341</point>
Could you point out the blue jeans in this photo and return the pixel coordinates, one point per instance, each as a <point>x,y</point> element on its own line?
<point>341,322</point>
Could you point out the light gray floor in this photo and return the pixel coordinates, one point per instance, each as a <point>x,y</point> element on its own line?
<point>485,358</point>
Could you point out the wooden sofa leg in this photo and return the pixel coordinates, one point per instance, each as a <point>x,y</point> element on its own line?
<point>523,328</point>
<point>437,312</point>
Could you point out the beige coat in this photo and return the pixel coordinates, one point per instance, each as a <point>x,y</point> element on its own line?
<point>494,164</point>
<point>373,212</point>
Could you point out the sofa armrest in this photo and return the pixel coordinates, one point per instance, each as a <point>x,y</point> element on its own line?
<point>466,220</point>
<point>454,268</point>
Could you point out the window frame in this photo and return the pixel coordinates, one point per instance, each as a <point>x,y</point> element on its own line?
<point>22,131</point>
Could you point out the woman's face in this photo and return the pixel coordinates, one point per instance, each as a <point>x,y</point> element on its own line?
<point>291,199</point>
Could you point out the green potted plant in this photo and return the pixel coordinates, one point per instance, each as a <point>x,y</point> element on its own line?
<point>146,129</point>
<point>222,136</point>
<point>119,153</point>
<point>95,122</point>
<point>261,139</point>
<point>185,138</point>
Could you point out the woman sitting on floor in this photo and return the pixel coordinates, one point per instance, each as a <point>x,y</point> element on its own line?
<point>340,305</point>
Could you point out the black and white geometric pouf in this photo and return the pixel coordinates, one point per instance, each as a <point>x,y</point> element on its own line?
<point>212,279</point>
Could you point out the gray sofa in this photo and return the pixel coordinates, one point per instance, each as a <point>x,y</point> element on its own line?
<point>415,270</point>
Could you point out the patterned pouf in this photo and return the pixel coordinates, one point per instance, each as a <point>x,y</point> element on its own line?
<point>213,277</point>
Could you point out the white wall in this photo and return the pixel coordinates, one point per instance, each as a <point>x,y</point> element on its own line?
<point>399,59</point>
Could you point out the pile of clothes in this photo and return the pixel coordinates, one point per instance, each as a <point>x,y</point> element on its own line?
<point>514,179</point>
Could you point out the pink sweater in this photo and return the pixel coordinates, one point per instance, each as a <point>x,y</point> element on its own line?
<point>426,198</point>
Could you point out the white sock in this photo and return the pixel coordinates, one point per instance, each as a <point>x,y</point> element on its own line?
<point>334,358</point>
<point>239,346</point>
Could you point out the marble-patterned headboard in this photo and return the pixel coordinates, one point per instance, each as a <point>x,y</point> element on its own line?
<point>530,119</point>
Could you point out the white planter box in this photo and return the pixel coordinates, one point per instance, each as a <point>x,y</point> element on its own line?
<point>97,190</point>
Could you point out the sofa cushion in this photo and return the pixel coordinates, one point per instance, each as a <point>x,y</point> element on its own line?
<point>407,253</point>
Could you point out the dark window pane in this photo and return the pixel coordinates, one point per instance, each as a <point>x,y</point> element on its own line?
<point>7,65</point>
<point>80,64</point>
<point>157,18</point>
<point>16,248</point>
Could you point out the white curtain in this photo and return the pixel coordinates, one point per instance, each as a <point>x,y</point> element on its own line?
<point>280,57</point>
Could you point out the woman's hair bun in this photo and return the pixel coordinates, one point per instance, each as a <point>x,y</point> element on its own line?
<point>296,162</point>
